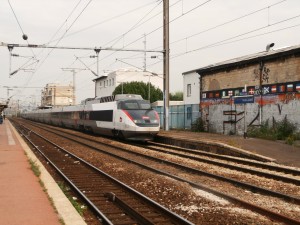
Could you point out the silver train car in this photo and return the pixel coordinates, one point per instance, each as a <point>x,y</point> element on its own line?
<point>125,116</point>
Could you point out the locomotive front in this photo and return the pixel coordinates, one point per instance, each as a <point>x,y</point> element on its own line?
<point>142,121</point>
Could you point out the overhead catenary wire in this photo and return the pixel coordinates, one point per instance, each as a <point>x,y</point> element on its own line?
<point>65,32</point>
<point>249,32</point>
<point>24,35</point>
<point>134,26</point>
<point>106,20</point>
<point>189,11</point>
<point>42,62</point>
<point>223,24</point>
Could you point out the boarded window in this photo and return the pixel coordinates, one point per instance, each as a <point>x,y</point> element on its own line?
<point>189,90</point>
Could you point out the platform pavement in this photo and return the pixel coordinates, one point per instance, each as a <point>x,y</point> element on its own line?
<point>22,199</point>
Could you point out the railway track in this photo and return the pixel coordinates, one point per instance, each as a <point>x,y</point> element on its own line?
<point>264,211</point>
<point>284,174</point>
<point>271,167</point>
<point>113,201</point>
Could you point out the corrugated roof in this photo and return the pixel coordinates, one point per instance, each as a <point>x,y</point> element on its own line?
<point>253,58</point>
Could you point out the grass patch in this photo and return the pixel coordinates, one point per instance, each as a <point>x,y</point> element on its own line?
<point>35,168</point>
<point>80,208</point>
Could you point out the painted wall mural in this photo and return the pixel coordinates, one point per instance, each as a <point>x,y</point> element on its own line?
<point>254,90</point>
<point>285,102</point>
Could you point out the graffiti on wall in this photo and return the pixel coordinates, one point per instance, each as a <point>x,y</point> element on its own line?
<point>280,101</point>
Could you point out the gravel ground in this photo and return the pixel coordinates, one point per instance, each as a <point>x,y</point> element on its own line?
<point>197,206</point>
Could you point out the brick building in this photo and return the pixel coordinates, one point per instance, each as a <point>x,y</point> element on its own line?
<point>251,90</point>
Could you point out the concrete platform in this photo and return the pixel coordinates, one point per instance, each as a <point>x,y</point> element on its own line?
<point>22,199</point>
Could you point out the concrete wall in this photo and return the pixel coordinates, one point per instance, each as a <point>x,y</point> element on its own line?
<point>218,112</point>
<point>193,80</point>
<point>223,116</point>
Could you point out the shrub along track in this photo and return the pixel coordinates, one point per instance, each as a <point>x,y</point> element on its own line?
<point>220,187</point>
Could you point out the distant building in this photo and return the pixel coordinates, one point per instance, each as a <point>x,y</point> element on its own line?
<point>56,95</point>
<point>105,85</point>
<point>250,90</point>
<point>191,87</point>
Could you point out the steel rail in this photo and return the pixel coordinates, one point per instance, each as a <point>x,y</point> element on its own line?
<point>250,187</point>
<point>252,207</point>
<point>234,167</point>
<point>174,216</point>
<point>277,168</point>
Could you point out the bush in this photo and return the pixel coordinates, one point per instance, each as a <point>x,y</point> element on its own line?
<point>198,125</point>
<point>264,131</point>
<point>282,130</point>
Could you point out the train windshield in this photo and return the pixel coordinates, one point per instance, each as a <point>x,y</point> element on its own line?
<point>140,112</point>
<point>134,105</point>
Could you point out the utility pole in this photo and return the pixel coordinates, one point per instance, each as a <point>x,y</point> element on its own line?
<point>166,53</point>
<point>97,50</point>
<point>10,48</point>
<point>145,65</point>
<point>261,67</point>
<point>145,45</point>
<point>74,71</point>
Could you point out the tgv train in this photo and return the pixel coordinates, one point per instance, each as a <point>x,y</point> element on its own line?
<point>125,116</point>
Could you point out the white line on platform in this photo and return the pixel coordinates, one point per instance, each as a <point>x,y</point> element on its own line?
<point>11,140</point>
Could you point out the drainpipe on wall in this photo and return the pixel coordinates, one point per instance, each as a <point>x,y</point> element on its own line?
<point>261,66</point>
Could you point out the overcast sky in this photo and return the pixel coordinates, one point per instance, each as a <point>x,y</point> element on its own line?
<point>201,33</point>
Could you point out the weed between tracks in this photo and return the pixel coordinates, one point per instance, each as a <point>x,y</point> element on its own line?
<point>66,190</point>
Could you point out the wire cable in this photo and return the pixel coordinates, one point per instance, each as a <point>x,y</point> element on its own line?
<point>134,26</point>
<point>222,24</point>
<point>16,17</point>
<point>105,21</point>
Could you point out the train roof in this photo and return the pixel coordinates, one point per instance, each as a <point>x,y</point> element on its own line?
<point>113,98</point>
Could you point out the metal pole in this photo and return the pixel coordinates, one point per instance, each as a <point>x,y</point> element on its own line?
<point>10,48</point>
<point>97,50</point>
<point>149,88</point>
<point>74,87</point>
<point>166,64</point>
<point>260,89</point>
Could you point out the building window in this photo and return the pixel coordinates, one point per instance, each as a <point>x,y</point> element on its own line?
<point>104,84</point>
<point>189,90</point>
<point>112,81</point>
<point>100,83</point>
<point>109,82</point>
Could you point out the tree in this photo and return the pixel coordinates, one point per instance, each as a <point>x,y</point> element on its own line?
<point>140,88</point>
<point>177,96</point>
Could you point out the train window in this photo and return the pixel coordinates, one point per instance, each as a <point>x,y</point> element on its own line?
<point>81,115</point>
<point>133,104</point>
<point>145,105</point>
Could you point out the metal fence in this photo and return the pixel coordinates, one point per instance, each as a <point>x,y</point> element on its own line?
<point>180,116</point>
